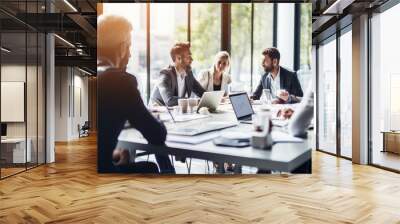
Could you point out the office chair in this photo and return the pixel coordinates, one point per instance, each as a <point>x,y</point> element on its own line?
<point>84,130</point>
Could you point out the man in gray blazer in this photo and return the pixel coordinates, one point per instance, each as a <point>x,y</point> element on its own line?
<point>177,80</point>
<point>278,78</point>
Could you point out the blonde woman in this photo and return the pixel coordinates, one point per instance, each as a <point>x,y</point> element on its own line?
<point>217,77</point>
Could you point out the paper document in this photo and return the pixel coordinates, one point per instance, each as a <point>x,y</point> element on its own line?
<point>193,139</point>
<point>182,117</point>
<point>189,117</point>
<point>278,136</point>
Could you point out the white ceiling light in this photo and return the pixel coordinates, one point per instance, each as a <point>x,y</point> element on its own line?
<point>5,50</point>
<point>65,41</point>
<point>70,5</point>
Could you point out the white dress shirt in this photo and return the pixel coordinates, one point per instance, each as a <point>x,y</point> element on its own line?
<point>275,83</point>
<point>180,77</point>
<point>206,80</point>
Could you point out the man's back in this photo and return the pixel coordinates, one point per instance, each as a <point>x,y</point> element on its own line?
<point>118,101</point>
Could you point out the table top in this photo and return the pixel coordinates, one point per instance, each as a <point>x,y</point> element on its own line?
<point>391,132</point>
<point>13,140</point>
<point>282,156</point>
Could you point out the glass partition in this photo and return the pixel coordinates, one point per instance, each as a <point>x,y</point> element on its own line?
<point>327,96</point>
<point>31,99</point>
<point>385,89</point>
<point>15,147</point>
<point>22,91</point>
<point>345,94</point>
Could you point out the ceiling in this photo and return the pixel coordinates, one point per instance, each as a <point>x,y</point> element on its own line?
<point>330,15</point>
<point>72,20</point>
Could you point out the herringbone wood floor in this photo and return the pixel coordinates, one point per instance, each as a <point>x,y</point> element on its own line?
<point>71,191</point>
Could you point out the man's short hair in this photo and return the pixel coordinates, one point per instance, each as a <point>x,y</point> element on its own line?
<point>112,31</point>
<point>178,49</point>
<point>273,53</point>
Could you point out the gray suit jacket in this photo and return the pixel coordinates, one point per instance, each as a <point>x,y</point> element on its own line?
<point>289,81</point>
<point>166,91</point>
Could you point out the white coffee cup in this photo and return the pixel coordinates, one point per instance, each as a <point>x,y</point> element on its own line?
<point>183,105</point>
<point>261,121</point>
<point>192,104</point>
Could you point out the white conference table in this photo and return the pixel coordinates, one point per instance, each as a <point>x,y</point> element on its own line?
<point>285,157</point>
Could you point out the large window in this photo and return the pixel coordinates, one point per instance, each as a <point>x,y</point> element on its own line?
<point>285,34</point>
<point>205,31</point>
<point>327,96</point>
<point>263,37</point>
<point>168,25</point>
<point>249,27</point>
<point>345,94</point>
<point>385,84</point>
<point>335,137</point>
<point>136,14</point>
<point>304,73</point>
<point>241,46</point>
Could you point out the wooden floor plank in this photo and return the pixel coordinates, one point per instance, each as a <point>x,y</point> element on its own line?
<point>71,191</point>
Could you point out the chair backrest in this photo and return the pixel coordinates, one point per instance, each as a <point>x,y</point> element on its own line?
<point>86,125</point>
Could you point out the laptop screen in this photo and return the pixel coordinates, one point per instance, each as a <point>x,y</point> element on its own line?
<point>241,105</point>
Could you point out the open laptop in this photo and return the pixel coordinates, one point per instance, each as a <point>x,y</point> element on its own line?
<point>242,107</point>
<point>211,100</point>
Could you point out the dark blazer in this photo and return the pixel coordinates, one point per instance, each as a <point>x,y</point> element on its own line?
<point>289,81</point>
<point>166,91</point>
<point>119,101</point>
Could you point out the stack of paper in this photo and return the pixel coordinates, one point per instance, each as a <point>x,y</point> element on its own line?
<point>193,139</point>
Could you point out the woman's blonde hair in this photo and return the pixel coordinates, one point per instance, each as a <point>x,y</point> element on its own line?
<point>223,55</point>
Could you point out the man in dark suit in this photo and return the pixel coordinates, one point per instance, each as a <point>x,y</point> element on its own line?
<point>283,84</point>
<point>177,80</point>
<point>119,101</point>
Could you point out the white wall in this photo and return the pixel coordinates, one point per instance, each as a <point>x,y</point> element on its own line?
<point>71,93</point>
<point>61,103</point>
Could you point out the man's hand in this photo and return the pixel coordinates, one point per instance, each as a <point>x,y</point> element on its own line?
<point>226,100</point>
<point>120,157</point>
<point>285,113</point>
<point>284,95</point>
